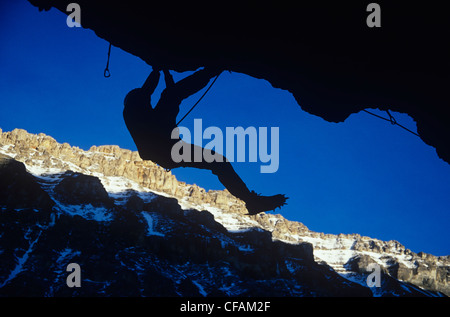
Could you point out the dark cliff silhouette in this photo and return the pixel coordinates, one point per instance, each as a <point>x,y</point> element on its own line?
<point>324,53</point>
<point>152,130</point>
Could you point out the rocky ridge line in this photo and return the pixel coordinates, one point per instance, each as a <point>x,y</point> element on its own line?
<point>110,160</point>
<point>42,151</point>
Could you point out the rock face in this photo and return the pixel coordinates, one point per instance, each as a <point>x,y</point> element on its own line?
<point>110,160</point>
<point>77,189</point>
<point>136,231</point>
<point>19,189</point>
<point>326,55</point>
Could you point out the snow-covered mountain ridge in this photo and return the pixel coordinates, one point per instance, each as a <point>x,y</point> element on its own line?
<point>126,178</point>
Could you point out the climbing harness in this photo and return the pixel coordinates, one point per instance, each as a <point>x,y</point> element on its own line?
<point>192,108</point>
<point>106,72</point>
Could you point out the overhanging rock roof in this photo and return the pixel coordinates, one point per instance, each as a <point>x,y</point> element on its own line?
<point>323,53</point>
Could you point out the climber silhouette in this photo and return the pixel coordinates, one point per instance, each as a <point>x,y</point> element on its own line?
<point>151,130</point>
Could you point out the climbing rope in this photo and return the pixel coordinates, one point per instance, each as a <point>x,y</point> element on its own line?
<point>106,72</point>
<point>391,120</point>
<point>198,101</point>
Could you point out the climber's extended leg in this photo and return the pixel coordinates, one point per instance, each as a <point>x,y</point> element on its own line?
<point>223,169</point>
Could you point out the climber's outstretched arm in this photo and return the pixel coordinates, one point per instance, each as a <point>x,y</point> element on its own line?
<point>151,82</point>
<point>168,78</point>
<point>193,83</point>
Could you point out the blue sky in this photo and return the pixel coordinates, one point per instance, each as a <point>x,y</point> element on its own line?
<point>362,176</point>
